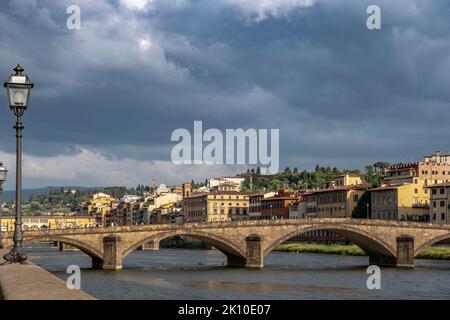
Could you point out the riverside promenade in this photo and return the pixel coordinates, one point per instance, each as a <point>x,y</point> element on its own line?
<point>31,282</point>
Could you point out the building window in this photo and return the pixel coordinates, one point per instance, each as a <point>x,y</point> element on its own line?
<point>442,203</point>
<point>442,216</point>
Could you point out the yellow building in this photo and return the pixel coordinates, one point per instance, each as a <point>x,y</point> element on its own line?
<point>348,179</point>
<point>425,173</point>
<point>159,201</point>
<point>220,206</point>
<point>406,195</point>
<point>99,205</point>
<point>345,179</point>
<point>400,202</point>
<point>338,202</point>
<point>48,222</point>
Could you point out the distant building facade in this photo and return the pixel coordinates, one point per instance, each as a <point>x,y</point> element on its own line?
<point>236,181</point>
<point>338,202</point>
<point>277,206</point>
<point>438,157</point>
<point>255,199</point>
<point>440,203</point>
<point>297,210</point>
<point>99,205</point>
<point>405,194</point>
<point>400,202</point>
<point>219,206</point>
<point>49,222</point>
<point>346,179</point>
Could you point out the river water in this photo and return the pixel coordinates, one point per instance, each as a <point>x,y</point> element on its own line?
<point>202,274</point>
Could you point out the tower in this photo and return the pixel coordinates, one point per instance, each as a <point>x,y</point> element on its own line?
<point>187,188</point>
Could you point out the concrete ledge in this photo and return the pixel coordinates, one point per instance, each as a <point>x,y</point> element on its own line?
<point>31,282</point>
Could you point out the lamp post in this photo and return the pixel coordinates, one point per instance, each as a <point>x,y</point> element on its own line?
<point>18,88</point>
<point>3,174</point>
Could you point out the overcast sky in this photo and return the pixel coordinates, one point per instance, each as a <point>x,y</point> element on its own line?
<point>109,95</point>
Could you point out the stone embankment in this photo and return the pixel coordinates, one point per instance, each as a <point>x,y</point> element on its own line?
<point>31,282</point>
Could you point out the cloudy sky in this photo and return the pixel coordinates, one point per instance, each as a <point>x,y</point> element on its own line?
<point>109,95</point>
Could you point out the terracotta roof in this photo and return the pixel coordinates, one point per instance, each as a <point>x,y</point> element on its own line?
<point>197,195</point>
<point>342,188</point>
<point>385,188</point>
<point>239,193</point>
<point>393,186</point>
<point>279,198</point>
<point>261,193</point>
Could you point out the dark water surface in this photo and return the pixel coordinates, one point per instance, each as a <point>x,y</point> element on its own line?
<point>202,274</point>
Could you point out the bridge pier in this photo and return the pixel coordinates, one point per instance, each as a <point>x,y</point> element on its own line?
<point>112,255</point>
<point>405,255</point>
<point>405,251</point>
<point>150,246</point>
<point>255,255</point>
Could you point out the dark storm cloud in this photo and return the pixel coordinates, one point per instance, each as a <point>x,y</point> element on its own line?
<point>341,94</point>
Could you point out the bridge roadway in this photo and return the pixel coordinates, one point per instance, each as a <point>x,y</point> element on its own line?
<point>247,242</point>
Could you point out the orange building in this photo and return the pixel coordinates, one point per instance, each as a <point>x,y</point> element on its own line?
<point>277,207</point>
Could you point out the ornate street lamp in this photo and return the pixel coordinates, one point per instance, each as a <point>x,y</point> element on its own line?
<point>18,88</point>
<point>3,174</point>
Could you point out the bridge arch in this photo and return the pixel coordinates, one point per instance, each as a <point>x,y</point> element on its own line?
<point>428,243</point>
<point>226,246</point>
<point>82,246</point>
<point>371,244</point>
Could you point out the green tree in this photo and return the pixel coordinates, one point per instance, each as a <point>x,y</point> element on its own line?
<point>363,207</point>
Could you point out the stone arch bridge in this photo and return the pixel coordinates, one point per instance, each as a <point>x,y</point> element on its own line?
<point>246,243</point>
